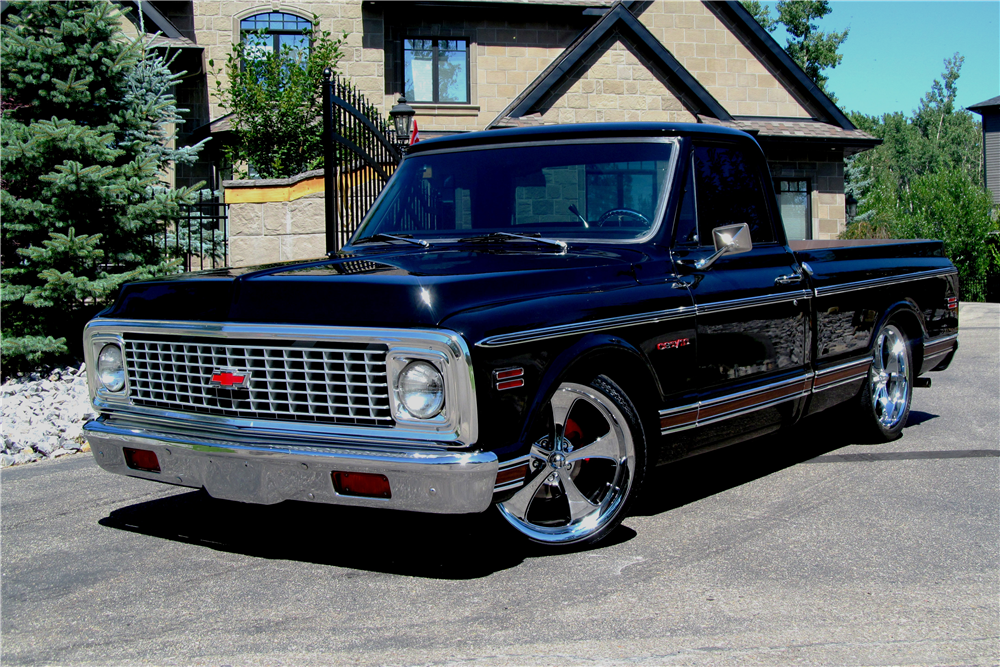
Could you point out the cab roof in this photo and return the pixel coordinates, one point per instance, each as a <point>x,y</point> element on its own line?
<point>577,131</point>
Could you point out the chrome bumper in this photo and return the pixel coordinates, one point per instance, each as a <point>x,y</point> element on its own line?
<point>422,480</point>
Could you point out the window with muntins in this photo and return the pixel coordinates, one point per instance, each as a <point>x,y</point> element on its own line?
<point>436,70</point>
<point>273,31</point>
<point>793,202</point>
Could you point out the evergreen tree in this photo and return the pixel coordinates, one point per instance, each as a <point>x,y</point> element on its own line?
<point>84,147</point>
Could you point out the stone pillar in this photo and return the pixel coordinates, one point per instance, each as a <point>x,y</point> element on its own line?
<point>276,220</point>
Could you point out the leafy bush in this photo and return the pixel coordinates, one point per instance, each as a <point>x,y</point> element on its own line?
<point>276,105</point>
<point>927,181</point>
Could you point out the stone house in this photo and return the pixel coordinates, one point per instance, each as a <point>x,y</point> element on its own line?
<point>468,65</point>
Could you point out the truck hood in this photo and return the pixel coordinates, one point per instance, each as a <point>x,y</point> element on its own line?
<point>394,287</point>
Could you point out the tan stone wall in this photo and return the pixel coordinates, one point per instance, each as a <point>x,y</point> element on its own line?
<point>502,62</point>
<point>217,24</point>
<point>613,85</point>
<point>826,177</point>
<point>260,233</point>
<point>718,60</point>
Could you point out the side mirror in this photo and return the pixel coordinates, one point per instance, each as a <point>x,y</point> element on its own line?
<point>729,240</point>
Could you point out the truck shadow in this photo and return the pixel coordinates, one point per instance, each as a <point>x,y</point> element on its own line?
<point>447,546</point>
<point>690,480</point>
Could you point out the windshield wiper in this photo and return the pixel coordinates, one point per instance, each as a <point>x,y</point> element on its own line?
<point>502,236</point>
<point>385,238</point>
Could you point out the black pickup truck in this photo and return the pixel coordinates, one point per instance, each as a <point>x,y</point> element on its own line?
<point>526,318</point>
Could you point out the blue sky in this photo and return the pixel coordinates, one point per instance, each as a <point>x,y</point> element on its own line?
<point>896,49</point>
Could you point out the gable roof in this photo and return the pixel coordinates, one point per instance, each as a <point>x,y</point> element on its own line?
<point>815,100</point>
<point>828,120</point>
<point>618,20</point>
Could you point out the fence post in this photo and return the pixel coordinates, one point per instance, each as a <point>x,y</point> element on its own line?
<point>329,165</point>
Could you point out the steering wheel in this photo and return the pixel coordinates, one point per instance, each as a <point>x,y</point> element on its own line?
<point>619,215</point>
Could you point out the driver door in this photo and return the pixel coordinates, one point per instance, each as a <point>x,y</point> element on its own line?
<point>752,308</point>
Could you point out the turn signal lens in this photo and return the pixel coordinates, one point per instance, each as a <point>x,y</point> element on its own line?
<point>420,389</point>
<point>141,459</point>
<point>111,368</point>
<point>369,485</point>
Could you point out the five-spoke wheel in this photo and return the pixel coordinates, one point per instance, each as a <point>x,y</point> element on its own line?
<point>583,469</point>
<point>886,396</point>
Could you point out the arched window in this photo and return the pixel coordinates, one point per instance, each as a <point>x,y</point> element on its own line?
<point>273,31</point>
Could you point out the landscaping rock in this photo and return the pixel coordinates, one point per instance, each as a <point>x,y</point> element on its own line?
<point>43,415</point>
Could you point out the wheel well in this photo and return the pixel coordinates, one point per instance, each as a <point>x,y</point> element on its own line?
<point>629,372</point>
<point>908,321</point>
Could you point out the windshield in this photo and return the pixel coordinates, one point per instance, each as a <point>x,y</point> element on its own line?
<point>584,191</point>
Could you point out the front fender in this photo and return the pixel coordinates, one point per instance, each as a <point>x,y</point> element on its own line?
<point>592,355</point>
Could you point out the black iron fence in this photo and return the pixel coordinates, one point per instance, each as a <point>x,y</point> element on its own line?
<point>360,157</point>
<point>981,288</point>
<point>200,237</point>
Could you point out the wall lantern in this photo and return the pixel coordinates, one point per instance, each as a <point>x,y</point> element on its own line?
<point>851,206</point>
<point>402,117</point>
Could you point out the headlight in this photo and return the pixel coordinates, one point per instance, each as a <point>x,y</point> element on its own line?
<point>420,389</point>
<point>111,368</point>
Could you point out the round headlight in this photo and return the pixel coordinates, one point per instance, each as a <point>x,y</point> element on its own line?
<point>111,368</point>
<point>420,388</point>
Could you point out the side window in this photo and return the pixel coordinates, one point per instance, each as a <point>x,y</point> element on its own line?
<point>729,192</point>
<point>436,70</point>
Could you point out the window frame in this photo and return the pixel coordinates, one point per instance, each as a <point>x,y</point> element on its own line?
<point>808,193</point>
<point>759,169</point>
<point>434,68</point>
<point>276,34</point>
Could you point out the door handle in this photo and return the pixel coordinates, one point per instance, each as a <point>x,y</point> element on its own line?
<point>790,279</point>
<point>682,282</point>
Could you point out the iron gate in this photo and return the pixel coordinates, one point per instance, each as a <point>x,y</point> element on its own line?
<point>200,236</point>
<point>359,158</point>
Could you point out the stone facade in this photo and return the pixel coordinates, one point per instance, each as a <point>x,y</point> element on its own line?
<point>827,197</point>
<point>613,85</point>
<point>511,45</point>
<point>718,59</point>
<point>273,221</point>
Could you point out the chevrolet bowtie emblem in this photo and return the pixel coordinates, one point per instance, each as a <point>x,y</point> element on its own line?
<point>230,378</point>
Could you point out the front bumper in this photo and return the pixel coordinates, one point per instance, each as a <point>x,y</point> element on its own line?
<point>421,479</point>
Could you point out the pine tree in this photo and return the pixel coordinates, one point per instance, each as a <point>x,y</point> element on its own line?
<point>85,140</point>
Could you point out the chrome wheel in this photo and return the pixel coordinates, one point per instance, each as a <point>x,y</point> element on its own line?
<point>889,378</point>
<point>584,467</point>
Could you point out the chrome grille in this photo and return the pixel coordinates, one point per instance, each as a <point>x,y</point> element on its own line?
<point>310,381</point>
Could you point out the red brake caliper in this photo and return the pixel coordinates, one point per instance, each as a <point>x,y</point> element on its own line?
<point>572,432</point>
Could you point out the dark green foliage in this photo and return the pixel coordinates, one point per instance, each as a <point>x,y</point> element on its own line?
<point>275,101</point>
<point>84,135</point>
<point>812,49</point>
<point>926,181</point>
<point>761,14</point>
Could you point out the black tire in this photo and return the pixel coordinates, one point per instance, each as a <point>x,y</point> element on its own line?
<point>885,398</point>
<point>581,487</point>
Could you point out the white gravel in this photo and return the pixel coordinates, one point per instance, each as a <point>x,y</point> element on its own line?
<point>43,415</point>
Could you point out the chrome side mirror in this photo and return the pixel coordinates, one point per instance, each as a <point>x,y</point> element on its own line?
<point>729,240</point>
